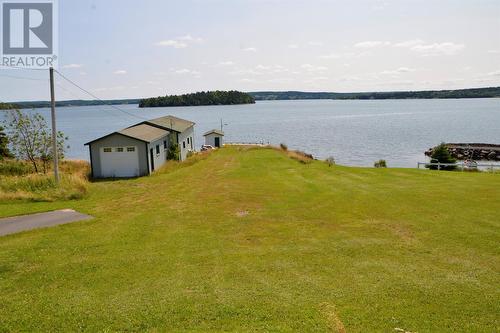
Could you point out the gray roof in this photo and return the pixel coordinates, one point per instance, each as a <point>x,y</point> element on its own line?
<point>214,131</point>
<point>144,132</point>
<point>171,123</point>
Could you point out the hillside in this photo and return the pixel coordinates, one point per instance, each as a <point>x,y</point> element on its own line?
<point>252,240</point>
<point>428,94</point>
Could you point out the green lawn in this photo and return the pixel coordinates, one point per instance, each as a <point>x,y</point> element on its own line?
<point>251,240</point>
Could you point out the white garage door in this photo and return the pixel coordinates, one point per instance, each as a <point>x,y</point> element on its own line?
<point>119,161</point>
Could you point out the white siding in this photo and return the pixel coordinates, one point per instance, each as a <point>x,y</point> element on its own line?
<point>210,139</point>
<point>183,142</point>
<point>158,158</point>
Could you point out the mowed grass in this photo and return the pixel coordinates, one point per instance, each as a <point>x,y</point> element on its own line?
<point>252,240</point>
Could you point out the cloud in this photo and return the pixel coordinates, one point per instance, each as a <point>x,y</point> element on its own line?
<point>495,73</point>
<point>172,43</point>
<point>190,38</point>
<point>70,66</point>
<point>398,71</point>
<point>371,43</point>
<point>494,51</point>
<point>409,43</point>
<point>315,43</point>
<point>250,49</point>
<point>246,80</point>
<point>313,68</point>
<point>330,56</point>
<point>293,46</point>
<point>226,63</point>
<point>187,71</point>
<point>435,49</point>
<point>432,49</point>
<point>179,42</point>
<point>120,72</point>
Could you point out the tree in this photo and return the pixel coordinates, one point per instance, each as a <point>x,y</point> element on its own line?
<point>173,152</point>
<point>4,145</point>
<point>31,140</point>
<point>440,154</point>
<point>380,164</point>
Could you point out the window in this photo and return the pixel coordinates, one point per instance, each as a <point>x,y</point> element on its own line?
<point>119,149</point>
<point>183,144</point>
<point>107,150</point>
<point>191,143</point>
<point>188,140</point>
<point>164,144</point>
<point>130,149</point>
<point>157,149</point>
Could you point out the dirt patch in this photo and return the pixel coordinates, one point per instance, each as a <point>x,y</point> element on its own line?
<point>334,322</point>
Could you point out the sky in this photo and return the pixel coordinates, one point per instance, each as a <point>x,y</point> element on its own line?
<point>144,48</point>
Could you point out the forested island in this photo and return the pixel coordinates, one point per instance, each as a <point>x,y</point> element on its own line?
<point>216,97</point>
<point>427,94</point>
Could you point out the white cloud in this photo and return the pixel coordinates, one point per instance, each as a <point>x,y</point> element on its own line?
<point>179,42</point>
<point>398,71</point>
<point>246,80</point>
<point>120,72</point>
<point>70,66</point>
<point>250,49</point>
<point>226,63</point>
<point>330,56</point>
<point>432,49</point>
<point>172,43</point>
<point>371,43</point>
<point>190,38</point>
<point>187,71</point>
<point>495,73</point>
<point>313,68</point>
<point>293,46</point>
<point>83,73</point>
<point>435,49</point>
<point>409,43</point>
<point>494,51</point>
<point>315,43</point>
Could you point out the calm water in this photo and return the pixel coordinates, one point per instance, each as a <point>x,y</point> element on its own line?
<point>354,132</point>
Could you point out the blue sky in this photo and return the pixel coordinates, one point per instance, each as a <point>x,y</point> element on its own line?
<point>128,49</point>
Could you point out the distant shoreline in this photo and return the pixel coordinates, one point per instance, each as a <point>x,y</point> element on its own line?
<point>491,92</point>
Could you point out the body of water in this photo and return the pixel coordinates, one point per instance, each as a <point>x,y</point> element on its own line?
<point>355,133</point>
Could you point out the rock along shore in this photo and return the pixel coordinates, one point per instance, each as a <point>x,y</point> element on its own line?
<point>475,151</point>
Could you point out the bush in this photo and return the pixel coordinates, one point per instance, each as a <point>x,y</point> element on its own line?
<point>9,167</point>
<point>283,146</point>
<point>17,181</point>
<point>380,164</point>
<point>440,154</point>
<point>330,161</point>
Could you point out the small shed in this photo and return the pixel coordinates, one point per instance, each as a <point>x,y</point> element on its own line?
<point>214,138</point>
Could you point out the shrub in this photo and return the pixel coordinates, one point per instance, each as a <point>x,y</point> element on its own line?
<point>9,167</point>
<point>330,161</point>
<point>300,156</point>
<point>380,164</point>
<point>190,153</point>
<point>440,154</point>
<point>283,146</point>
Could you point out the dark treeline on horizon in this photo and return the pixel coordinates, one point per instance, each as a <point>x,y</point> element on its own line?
<point>216,97</point>
<point>236,97</point>
<point>429,94</point>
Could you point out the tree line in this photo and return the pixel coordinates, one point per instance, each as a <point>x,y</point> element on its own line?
<point>428,94</point>
<point>216,97</point>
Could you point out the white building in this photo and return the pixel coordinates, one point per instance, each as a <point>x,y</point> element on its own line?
<point>214,138</point>
<point>139,149</point>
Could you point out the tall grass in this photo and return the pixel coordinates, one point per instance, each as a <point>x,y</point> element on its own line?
<point>17,182</point>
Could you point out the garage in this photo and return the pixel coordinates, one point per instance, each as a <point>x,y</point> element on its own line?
<point>120,161</point>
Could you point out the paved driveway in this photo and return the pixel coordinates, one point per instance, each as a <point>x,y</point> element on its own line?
<point>11,225</point>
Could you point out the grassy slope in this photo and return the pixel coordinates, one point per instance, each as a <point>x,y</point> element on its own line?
<point>320,248</point>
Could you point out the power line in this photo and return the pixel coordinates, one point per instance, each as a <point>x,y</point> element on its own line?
<point>97,98</point>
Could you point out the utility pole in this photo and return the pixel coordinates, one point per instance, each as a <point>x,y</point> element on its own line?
<point>53,120</point>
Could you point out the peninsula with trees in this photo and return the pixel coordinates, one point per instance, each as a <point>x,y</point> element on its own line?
<point>216,97</point>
